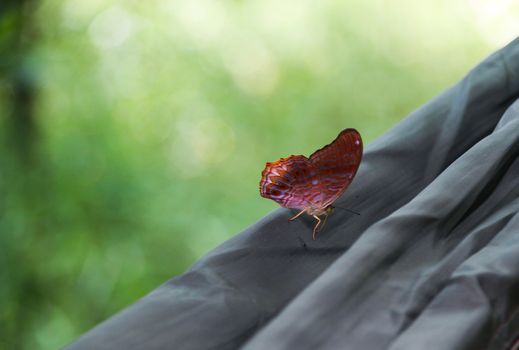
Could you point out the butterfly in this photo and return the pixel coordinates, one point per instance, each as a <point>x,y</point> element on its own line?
<point>313,184</point>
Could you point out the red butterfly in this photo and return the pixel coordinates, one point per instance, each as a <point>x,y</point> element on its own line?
<point>313,184</point>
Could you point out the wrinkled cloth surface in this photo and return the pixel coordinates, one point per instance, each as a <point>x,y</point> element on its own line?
<point>432,262</point>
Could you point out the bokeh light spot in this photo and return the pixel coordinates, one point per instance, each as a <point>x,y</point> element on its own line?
<point>111,28</point>
<point>253,68</point>
<point>200,142</point>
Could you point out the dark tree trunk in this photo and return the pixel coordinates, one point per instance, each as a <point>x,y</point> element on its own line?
<point>17,77</point>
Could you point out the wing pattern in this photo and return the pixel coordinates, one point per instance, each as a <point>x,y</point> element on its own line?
<point>316,182</point>
<point>290,182</point>
<point>337,164</point>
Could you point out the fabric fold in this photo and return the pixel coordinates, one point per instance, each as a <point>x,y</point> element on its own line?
<point>431,262</point>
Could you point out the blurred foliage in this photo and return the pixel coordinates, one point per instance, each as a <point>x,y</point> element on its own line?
<point>133,133</point>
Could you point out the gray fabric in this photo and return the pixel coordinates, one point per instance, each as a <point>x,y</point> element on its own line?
<point>432,262</point>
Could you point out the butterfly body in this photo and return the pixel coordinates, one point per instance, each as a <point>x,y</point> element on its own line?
<point>312,184</point>
<point>320,211</point>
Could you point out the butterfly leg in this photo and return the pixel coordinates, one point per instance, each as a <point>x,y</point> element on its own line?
<point>324,223</point>
<point>316,226</point>
<point>298,215</point>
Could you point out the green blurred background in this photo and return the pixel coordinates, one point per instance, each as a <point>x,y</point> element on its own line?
<point>133,133</point>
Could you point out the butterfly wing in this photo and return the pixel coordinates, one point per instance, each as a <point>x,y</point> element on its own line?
<point>291,182</point>
<point>337,164</point>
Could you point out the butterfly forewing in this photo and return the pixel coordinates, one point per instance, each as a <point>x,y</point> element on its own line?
<point>290,182</point>
<point>337,164</point>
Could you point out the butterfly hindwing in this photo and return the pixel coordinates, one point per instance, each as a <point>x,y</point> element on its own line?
<point>290,182</point>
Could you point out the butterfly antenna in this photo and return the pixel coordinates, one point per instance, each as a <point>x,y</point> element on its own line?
<point>351,211</point>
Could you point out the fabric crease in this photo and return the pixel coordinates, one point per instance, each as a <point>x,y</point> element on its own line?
<point>432,262</point>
